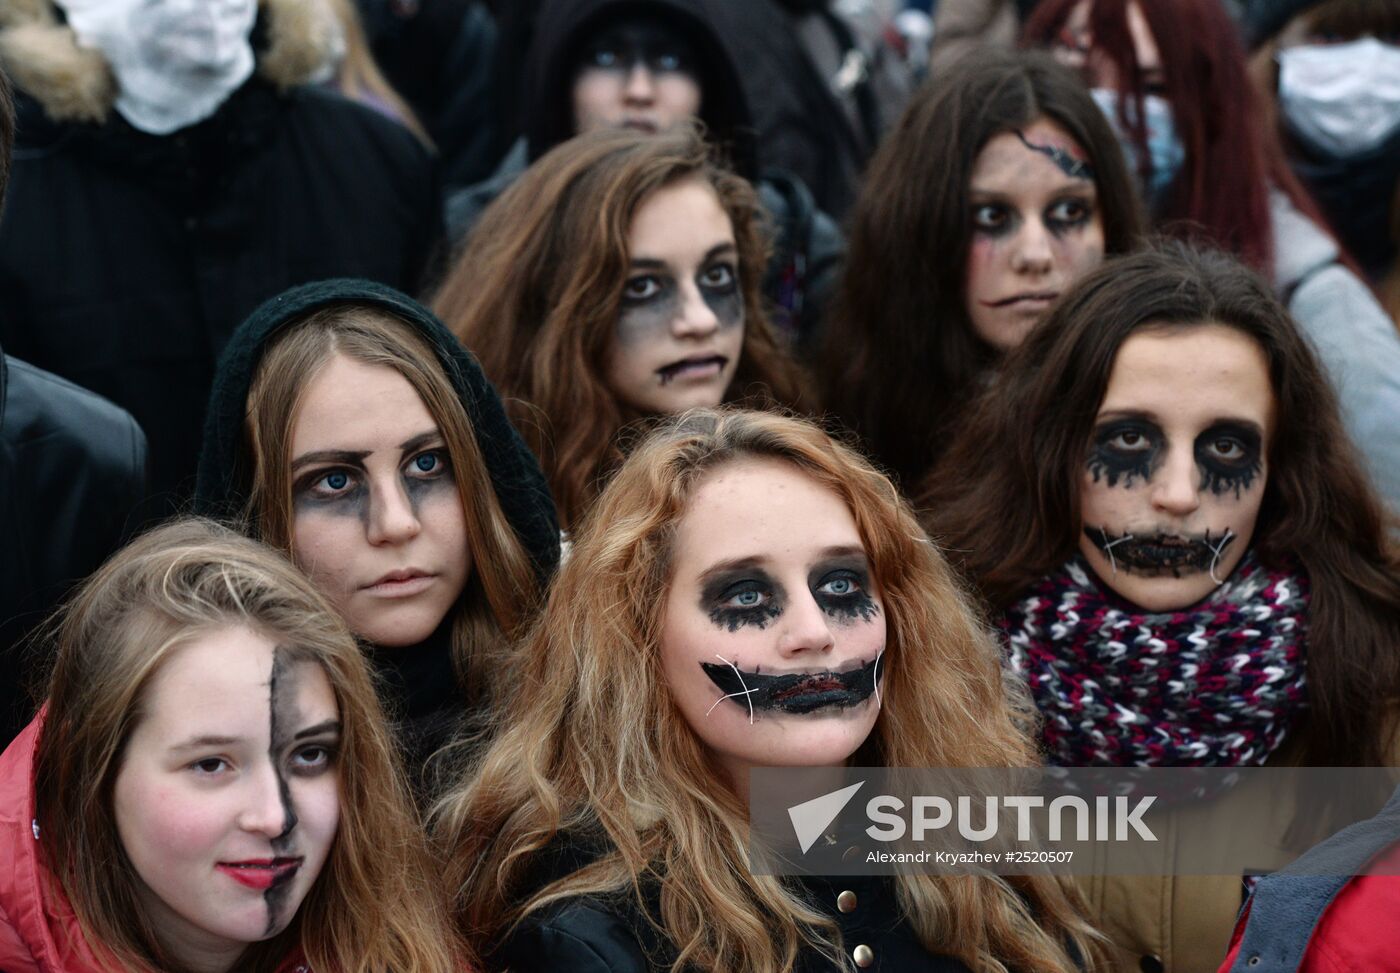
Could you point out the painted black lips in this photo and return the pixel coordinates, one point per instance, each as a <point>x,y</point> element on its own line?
<point>795,692</point>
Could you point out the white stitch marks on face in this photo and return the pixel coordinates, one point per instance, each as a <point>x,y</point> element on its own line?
<point>746,693</point>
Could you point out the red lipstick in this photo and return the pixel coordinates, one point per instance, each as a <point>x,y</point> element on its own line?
<point>261,873</point>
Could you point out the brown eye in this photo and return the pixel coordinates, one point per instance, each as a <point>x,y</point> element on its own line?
<point>1129,439</point>
<point>1227,449</point>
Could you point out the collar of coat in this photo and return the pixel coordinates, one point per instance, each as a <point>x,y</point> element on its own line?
<point>74,84</point>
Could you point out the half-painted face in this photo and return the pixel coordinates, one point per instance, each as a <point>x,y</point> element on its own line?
<point>773,633</point>
<point>636,74</point>
<point>680,327</point>
<point>227,798</point>
<point>1035,229</point>
<point>1175,468</point>
<point>377,522</point>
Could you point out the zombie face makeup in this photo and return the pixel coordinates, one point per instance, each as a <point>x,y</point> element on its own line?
<point>1035,229</point>
<point>680,327</point>
<point>638,73</point>
<point>773,637</point>
<point>377,521</point>
<point>1175,469</point>
<point>227,799</point>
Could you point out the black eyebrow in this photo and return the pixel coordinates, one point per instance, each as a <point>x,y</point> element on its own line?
<point>344,456</point>
<point>1236,424</point>
<point>1120,414</point>
<point>323,727</point>
<point>733,564</point>
<point>422,439</point>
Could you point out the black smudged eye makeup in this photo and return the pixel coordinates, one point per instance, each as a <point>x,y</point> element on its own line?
<point>1068,214</point>
<point>733,601</point>
<point>1229,457</point>
<point>843,592</point>
<point>992,219</point>
<point>1124,450</point>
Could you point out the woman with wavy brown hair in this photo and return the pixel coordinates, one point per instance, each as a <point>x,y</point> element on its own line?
<point>1187,562</point>
<point>619,278</point>
<point>210,785</point>
<point>609,818</point>
<point>1001,184</point>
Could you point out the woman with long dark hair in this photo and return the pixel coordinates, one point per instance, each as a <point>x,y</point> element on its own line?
<point>1187,562</point>
<point>999,186</point>
<point>1172,76</point>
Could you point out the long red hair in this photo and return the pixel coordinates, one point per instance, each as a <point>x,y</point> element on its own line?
<point>1233,157</point>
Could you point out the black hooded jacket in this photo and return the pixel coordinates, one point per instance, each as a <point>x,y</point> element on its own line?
<point>808,246</point>
<point>72,471</point>
<point>418,681</point>
<point>127,259</point>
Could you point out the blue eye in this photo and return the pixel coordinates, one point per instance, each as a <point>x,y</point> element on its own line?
<point>426,462</point>
<point>747,599</point>
<point>336,481</point>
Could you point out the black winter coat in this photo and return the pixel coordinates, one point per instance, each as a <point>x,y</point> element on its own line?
<point>126,259</point>
<point>72,471</point>
<point>591,935</point>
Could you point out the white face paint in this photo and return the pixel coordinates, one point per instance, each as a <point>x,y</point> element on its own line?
<point>175,61</point>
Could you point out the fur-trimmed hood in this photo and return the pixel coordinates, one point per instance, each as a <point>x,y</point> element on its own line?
<point>41,55</point>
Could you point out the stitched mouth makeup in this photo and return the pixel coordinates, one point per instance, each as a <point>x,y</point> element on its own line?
<point>1160,553</point>
<point>796,693</point>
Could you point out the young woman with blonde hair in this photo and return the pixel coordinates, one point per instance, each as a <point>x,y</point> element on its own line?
<point>606,826</point>
<point>210,785</point>
<point>618,278</point>
<point>348,429</point>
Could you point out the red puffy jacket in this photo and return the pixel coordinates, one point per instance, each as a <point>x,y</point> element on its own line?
<point>38,931</point>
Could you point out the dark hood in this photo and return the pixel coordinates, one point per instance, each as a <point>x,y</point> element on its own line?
<point>521,489</point>
<point>563,25</point>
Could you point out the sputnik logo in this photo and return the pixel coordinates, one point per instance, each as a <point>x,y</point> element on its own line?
<point>810,819</point>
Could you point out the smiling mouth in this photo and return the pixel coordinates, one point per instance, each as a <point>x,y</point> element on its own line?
<point>699,368</point>
<point>261,873</point>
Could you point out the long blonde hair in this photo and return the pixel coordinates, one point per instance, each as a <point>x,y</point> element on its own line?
<point>372,908</point>
<point>503,587</point>
<point>595,747</point>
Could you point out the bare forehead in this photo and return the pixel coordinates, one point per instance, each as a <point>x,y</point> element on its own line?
<point>762,507</point>
<point>682,220</point>
<point>1192,376</point>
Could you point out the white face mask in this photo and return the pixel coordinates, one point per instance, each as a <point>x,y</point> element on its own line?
<point>1343,98</point>
<point>175,61</point>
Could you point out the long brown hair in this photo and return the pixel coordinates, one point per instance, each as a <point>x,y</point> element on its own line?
<point>595,745</point>
<point>900,357</point>
<point>1009,511</point>
<point>373,907</point>
<point>535,295</point>
<point>503,588</point>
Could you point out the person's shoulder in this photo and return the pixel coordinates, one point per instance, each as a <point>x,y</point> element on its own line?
<point>40,405</point>
<point>582,934</point>
<point>322,109</point>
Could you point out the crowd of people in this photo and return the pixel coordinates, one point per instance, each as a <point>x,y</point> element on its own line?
<point>447,445</point>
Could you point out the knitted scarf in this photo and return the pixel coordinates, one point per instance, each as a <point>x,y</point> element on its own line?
<point>1217,684</point>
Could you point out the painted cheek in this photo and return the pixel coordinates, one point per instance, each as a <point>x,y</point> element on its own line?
<point>642,324</point>
<point>982,259</point>
<point>728,308</point>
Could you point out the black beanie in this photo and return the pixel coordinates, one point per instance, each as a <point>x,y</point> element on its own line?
<point>521,489</point>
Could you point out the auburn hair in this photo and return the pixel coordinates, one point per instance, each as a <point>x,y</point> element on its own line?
<point>1012,513</point>
<point>595,748</point>
<point>1234,157</point>
<point>374,906</point>
<point>537,290</point>
<point>503,587</point>
<point>900,358</point>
